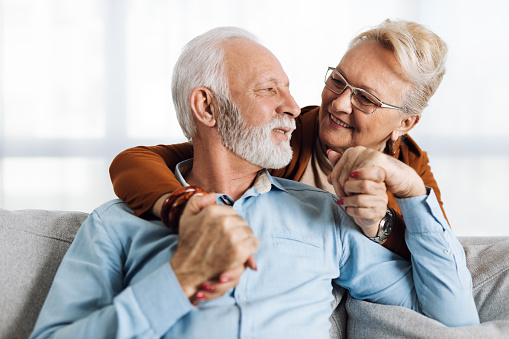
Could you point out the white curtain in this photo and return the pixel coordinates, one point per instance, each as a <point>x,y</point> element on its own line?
<point>82,80</point>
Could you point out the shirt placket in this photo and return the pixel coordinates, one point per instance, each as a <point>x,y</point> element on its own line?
<point>242,294</point>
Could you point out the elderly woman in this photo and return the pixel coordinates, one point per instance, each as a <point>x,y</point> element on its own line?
<point>370,101</point>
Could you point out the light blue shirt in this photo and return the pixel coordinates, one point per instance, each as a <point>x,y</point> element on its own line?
<point>116,279</point>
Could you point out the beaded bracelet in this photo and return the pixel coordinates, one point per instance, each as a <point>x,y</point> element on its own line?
<point>174,205</point>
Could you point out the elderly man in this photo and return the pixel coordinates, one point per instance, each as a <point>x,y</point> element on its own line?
<point>128,277</point>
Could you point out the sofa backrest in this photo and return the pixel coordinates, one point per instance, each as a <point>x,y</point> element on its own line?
<point>32,244</point>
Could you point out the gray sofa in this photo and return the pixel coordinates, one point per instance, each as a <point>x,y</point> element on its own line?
<point>33,242</point>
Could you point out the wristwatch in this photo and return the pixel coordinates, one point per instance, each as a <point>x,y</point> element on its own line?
<point>385,227</point>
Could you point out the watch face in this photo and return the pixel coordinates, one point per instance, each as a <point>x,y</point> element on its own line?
<point>386,227</point>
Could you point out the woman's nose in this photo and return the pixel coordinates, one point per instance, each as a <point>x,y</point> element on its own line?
<point>343,102</point>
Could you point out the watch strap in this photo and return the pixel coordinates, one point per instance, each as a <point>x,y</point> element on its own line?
<point>385,227</point>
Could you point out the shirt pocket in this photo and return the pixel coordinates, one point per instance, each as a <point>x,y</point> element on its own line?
<point>297,254</point>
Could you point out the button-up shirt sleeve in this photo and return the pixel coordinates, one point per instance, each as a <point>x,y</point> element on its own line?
<point>442,281</point>
<point>435,283</point>
<point>88,298</point>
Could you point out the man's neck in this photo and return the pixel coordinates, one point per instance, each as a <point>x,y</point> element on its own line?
<point>221,171</point>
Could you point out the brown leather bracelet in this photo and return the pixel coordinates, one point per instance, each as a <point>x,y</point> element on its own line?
<point>174,205</point>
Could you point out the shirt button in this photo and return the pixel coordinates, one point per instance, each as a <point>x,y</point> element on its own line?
<point>243,298</point>
<point>447,251</point>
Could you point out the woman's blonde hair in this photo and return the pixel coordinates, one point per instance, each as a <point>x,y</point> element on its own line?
<point>421,54</point>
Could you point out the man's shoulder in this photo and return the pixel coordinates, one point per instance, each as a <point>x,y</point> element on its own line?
<point>116,213</point>
<point>116,217</point>
<point>112,207</point>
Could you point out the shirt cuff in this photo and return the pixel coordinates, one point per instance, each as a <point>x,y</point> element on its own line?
<point>423,213</point>
<point>161,299</point>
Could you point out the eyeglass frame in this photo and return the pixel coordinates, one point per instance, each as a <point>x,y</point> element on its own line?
<point>354,90</point>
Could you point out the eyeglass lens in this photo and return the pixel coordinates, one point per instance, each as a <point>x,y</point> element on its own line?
<point>361,99</point>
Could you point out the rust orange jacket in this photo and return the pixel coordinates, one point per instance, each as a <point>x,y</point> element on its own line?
<point>141,175</point>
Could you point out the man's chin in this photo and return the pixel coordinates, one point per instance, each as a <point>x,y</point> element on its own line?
<point>281,160</point>
<point>278,138</point>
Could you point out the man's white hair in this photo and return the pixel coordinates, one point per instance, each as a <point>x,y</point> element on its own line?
<point>201,64</point>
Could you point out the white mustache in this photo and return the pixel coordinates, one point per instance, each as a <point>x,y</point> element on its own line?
<point>282,122</point>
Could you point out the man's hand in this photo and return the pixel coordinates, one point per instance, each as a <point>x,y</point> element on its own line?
<point>213,240</point>
<point>361,177</point>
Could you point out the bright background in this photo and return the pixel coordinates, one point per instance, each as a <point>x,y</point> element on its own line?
<point>82,80</point>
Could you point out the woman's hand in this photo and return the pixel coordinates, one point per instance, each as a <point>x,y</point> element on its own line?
<point>361,178</point>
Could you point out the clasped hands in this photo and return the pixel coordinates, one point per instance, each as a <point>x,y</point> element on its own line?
<point>215,246</point>
<point>361,178</point>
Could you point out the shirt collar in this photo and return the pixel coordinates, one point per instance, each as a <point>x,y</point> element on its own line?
<point>182,169</point>
<point>263,182</point>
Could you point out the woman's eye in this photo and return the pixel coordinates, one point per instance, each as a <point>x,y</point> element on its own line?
<point>338,83</point>
<point>365,100</point>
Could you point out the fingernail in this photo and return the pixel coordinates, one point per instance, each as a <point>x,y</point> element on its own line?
<point>224,279</point>
<point>340,202</point>
<point>200,295</point>
<point>207,287</point>
<point>354,175</point>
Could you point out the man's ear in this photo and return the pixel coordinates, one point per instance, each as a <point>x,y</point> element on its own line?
<point>204,106</point>
<point>406,125</point>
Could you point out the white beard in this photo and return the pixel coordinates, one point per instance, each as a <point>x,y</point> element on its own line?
<point>254,143</point>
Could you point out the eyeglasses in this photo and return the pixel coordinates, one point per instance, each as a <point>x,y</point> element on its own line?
<point>359,98</point>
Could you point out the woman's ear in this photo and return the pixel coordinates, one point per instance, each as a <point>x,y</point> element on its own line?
<point>406,125</point>
<point>204,106</point>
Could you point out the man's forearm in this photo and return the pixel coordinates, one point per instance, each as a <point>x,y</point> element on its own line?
<point>88,298</point>
<point>143,310</point>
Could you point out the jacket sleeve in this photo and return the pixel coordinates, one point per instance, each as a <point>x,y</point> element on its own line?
<point>140,175</point>
<point>429,180</point>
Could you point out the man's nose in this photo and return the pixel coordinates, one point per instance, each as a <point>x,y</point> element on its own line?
<point>290,106</point>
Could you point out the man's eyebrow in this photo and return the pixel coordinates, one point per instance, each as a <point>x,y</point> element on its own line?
<point>273,80</point>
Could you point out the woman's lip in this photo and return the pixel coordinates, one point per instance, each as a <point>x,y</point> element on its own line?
<point>339,122</point>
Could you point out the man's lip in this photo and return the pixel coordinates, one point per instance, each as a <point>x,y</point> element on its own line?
<point>285,130</point>
<point>339,122</point>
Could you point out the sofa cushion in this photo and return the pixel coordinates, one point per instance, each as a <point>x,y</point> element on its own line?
<point>32,244</point>
<point>488,261</point>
